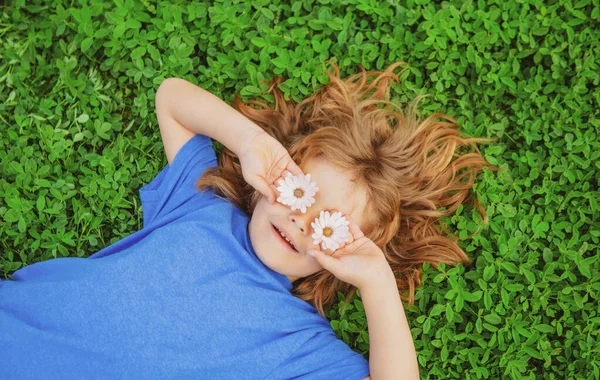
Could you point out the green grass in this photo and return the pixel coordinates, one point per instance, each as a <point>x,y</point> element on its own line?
<point>80,137</point>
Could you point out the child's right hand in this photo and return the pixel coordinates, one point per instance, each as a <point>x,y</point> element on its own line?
<point>264,160</point>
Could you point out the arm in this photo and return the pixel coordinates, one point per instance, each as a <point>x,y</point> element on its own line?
<point>180,103</point>
<point>392,351</point>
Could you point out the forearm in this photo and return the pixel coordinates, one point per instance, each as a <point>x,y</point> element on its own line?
<point>392,351</point>
<point>204,113</point>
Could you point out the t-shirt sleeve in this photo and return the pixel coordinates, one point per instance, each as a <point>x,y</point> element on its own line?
<point>326,357</point>
<point>175,184</point>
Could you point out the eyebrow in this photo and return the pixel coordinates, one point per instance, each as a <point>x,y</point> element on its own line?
<point>355,184</point>
<point>326,208</point>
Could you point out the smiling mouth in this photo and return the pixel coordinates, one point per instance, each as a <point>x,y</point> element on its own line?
<point>283,239</point>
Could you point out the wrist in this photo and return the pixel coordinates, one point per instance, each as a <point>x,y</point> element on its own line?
<point>384,280</point>
<point>246,136</point>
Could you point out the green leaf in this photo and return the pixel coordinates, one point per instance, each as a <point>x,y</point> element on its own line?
<point>514,287</point>
<point>509,82</point>
<point>473,297</point>
<point>449,313</point>
<point>41,203</point>
<point>488,272</point>
<point>459,303</point>
<point>529,275</point>
<point>544,328</point>
<point>512,268</point>
<point>133,24</point>
<point>579,14</point>
<point>138,52</point>
<point>86,44</point>
<point>22,225</point>
<point>426,326</point>
<point>83,118</point>
<point>493,318</point>
<point>267,13</point>
<point>436,310</point>
<point>119,30</point>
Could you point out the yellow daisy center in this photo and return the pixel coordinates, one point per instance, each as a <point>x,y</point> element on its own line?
<point>298,193</point>
<point>327,231</point>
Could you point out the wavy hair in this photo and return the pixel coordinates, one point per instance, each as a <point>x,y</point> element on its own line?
<point>403,163</point>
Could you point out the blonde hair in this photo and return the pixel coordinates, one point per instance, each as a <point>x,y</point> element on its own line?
<point>402,162</point>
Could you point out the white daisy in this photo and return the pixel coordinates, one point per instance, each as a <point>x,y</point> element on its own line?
<point>297,191</point>
<point>331,230</point>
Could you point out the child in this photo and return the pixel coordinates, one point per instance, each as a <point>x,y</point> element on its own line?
<point>220,282</point>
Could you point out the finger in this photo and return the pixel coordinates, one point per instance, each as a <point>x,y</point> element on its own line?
<point>323,247</point>
<point>282,176</point>
<point>344,250</point>
<point>355,231</point>
<point>274,190</point>
<point>326,261</point>
<point>293,168</point>
<point>286,173</point>
<point>329,252</point>
<point>349,238</point>
<point>348,248</point>
<point>263,187</point>
<point>273,186</point>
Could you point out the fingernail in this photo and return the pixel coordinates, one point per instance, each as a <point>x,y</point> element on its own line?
<point>311,253</point>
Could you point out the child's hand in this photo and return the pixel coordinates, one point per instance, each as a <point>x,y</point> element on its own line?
<point>264,160</point>
<point>359,262</point>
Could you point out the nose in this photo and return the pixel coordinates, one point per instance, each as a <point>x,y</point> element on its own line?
<point>302,221</point>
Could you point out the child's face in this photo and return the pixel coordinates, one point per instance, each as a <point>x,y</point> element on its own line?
<point>336,193</point>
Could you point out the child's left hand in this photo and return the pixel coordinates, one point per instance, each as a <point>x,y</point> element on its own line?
<point>359,262</point>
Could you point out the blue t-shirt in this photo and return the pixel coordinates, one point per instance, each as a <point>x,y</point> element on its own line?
<point>185,297</point>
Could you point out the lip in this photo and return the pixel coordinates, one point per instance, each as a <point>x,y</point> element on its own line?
<point>282,240</point>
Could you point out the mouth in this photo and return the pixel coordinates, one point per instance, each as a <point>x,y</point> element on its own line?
<point>282,240</point>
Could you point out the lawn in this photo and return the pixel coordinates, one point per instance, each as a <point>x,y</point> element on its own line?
<point>80,137</point>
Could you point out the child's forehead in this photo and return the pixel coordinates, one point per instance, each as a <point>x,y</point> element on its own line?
<point>337,189</point>
<point>325,173</point>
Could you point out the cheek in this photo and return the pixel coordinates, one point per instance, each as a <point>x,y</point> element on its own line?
<point>262,205</point>
<point>261,210</point>
<point>258,204</point>
<point>257,198</point>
